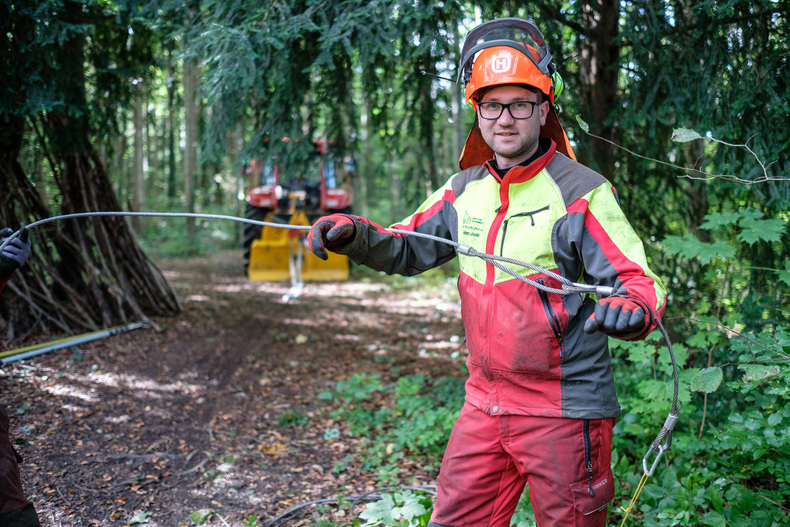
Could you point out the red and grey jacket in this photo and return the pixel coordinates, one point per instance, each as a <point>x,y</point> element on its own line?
<point>528,353</point>
<point>3,282</point>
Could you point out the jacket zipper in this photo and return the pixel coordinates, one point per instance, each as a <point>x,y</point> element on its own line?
<point>520,214</point>
<point>554,320</point>
<point>588,455</point>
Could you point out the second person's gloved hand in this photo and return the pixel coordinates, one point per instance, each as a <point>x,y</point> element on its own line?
<point>331,232</point>
<point>616,316</point>
<point>15,253</point>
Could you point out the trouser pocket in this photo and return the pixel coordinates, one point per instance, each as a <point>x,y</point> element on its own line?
<point>603,493</point>
<point>594,494</point>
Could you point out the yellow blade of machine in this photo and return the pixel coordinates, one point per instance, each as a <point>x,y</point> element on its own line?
<point>270,254</point>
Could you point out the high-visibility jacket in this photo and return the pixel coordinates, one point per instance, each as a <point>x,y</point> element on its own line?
<point>528,353</point>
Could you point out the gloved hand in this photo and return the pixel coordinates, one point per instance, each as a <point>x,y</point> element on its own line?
<point>616,316</point>
<point>15,253</point>
<point>331,232</point>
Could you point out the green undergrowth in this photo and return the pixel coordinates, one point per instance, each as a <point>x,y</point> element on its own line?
<point>409,420</point>
<point>728,463</point>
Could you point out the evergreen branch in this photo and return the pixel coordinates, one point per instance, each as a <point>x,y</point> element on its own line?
<point>778,10</point>
<point>556,14</point>
<point>685,30</point>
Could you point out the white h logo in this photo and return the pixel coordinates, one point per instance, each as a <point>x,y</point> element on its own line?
<point>501,63</point>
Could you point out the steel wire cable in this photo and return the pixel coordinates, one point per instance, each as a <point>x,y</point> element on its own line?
<point>568,287</point>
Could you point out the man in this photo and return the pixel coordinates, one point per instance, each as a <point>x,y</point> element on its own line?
<point>15,509</point>
<point>540,399</point>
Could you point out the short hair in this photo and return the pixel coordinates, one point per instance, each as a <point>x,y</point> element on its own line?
<point>539,95</point>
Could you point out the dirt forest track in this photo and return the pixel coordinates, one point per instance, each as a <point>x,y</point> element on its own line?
<point>149,427</point>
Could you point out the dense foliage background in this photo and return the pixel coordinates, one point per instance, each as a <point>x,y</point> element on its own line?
<point>682,105</point>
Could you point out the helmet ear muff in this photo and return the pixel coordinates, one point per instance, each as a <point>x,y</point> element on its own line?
<point>558,84</point>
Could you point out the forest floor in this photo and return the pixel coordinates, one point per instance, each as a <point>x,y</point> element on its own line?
<point>216,418</point>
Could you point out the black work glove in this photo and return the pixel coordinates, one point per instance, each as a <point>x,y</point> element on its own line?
<point>15,253</point>
<point>616,316</point>
<point>331,232</point>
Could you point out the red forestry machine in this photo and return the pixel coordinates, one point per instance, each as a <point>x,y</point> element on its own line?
<point>295,196</point>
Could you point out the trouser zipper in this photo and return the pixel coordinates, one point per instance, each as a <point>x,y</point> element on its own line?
<point>588,455</point>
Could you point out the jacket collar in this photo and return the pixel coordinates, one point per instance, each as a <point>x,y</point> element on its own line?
<point>522,173</point>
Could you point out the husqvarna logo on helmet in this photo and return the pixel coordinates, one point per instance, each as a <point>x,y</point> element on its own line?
<point>501,63</point>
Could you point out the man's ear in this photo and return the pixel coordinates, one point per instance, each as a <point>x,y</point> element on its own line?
<point>544,111</point>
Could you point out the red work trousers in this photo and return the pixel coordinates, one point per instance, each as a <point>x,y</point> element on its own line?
<point>489,459</point>
<point>11,496</point>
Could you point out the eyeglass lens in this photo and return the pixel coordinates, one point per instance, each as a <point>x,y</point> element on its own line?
<point>517,109</point>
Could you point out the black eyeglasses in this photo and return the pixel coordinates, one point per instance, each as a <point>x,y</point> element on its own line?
<point>517,109</point>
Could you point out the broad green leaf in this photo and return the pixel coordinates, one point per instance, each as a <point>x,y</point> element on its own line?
<point>707,380</point>
<point>690,247</point>
<point>683,135</point>
<point>774,419</point>
<point>412,508</point>
<point>201,516</point>
<point>756,373</point>
<point>714,519</point>
<point>784,275</point>
<point>331,433</point>
<point>583,125</point>
<point>753,230</point>
<point>710,251</point>
<point>139,517</point>
<point>720,219</point>
<point>703,339</point>
<point>379,511</point>
<point>687,246</point>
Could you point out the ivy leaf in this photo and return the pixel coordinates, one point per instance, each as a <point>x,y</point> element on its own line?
<point>707,380</point>
<point>583,125</point>
<point>683,135</point>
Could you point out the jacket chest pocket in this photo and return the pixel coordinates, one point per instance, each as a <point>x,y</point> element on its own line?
<point>527,236</point>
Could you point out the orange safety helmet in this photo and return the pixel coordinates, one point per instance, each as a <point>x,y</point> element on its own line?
<point>509,51</point>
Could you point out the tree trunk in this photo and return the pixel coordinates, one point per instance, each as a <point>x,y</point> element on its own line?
<point>82,274</point>
<point>138,179</point>
<point>170,125</point>
<point>599,69</point>
<point>190,152</point>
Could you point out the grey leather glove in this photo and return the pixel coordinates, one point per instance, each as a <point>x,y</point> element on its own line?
<point>15,253</point>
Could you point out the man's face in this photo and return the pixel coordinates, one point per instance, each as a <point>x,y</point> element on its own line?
<point>512,140</point>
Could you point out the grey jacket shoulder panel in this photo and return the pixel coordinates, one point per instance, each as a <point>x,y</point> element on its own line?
<point>574,179</point>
